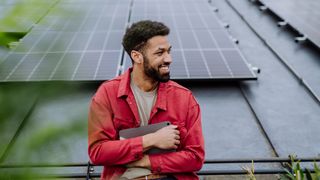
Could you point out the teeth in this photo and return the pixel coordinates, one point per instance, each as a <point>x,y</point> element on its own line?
<point>164,67</point>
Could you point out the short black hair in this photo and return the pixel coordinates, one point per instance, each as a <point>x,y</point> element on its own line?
<point>140,32</point>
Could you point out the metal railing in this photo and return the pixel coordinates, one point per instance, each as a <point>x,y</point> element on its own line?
<point>90,171</point>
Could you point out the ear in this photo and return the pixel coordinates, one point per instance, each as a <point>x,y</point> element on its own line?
<point>136,56</point>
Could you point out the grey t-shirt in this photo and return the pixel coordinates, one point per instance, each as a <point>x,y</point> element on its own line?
<point>145,102</point>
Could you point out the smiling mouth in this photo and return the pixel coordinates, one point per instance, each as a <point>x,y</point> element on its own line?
<point>164,68</point>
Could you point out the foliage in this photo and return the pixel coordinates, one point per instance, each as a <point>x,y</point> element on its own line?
<point>33,139</point>
<point>44,137</point>
<point>250,172</point>
<point>296,172</point>
<point>19,17</point>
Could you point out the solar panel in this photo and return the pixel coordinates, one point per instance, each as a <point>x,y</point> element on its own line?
<point>85,17</point>
<point>86,44</point>
<point>202,48</point>
<point>71,49</point>
<point>302,15</point>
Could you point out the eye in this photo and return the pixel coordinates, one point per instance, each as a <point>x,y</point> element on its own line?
<point>159,53</point>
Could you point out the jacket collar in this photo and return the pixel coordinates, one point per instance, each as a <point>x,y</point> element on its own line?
<point>124,86</point>
<point>124,90</point>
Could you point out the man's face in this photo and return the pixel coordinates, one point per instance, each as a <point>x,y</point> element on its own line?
<point>157,58</point>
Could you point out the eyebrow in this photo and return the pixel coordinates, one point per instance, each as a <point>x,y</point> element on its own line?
<point>162,49</point>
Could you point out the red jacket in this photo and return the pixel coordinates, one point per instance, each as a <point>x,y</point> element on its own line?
<point>113,108</point>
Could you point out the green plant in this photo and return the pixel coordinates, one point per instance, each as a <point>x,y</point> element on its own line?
<point>250,171</point>
<point>316,171</point>
<point>296,172</point>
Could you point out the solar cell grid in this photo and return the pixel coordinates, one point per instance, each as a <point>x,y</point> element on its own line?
<point>179,69</point>
<point>196,66</point>
<point>45,67</point>
<point>200,44</point>
<point>86,68</point>
<point>84,17</point>
<point>75,57</point>
<point>86,45</point>
<point>217,64</point>
<point>7,66</point>
<point>199,18</point>
<point>65,66</point>
<point>23,69</point>
<point>8,62</point>
<point>108,65</point>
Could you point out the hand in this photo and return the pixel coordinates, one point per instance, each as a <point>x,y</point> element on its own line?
<point>165,138</point>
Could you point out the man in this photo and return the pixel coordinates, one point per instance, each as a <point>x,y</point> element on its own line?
<point>144,95</point>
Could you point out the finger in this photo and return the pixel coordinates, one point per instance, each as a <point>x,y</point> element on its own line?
<point>177,137</point>
<point>177,132</point>
<point>173,126</point>
<point>177,142</point>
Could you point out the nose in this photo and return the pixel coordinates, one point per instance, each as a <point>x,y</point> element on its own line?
<point>168,58</point>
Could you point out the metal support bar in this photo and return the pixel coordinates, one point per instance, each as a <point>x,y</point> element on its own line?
<point>255,69</point>
<point>261,160</point>
<point>263,8</point>
<point>207,161</point>
<point>91,174</point>
<point>90,170</point>
<point>282,23</point>
<point>200,173</point>
<point>301,39</point>
<point>42,165</point>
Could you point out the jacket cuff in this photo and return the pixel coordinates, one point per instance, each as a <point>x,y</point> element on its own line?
<point>136,148</point>
<point>156,163</point>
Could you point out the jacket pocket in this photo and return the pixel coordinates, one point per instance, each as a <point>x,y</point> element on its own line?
<point>123,123</point>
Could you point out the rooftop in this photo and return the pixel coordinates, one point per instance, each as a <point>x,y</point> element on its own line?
<point>45,121</point>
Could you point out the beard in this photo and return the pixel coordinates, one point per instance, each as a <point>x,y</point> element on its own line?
<point>153,72</point>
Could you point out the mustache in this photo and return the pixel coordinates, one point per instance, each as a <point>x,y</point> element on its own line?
<point>164,64</point>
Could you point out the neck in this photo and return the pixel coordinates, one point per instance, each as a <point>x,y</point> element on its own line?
<point>142,81</point>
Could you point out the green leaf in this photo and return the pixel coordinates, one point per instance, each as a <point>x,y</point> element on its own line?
<point>308,174</point>
<point>316,171</point>
<point>289,174</point>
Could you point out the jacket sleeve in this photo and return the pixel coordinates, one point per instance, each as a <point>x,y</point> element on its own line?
<point>191,156</point>
<point>104,146</point>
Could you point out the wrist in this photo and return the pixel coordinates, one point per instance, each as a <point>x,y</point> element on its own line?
<point>146,162</point>
<point>148,141</point>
